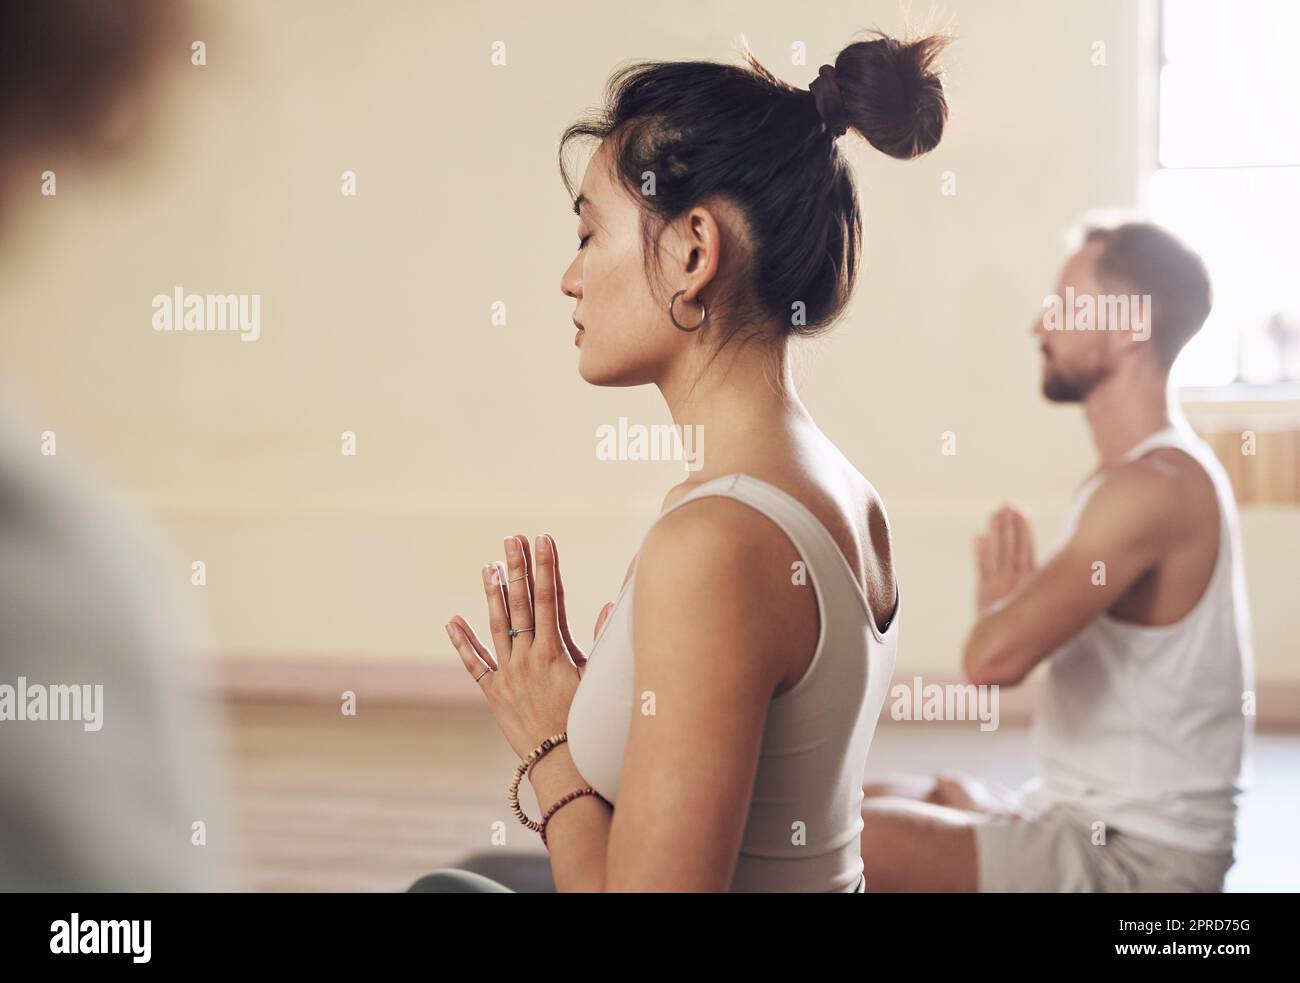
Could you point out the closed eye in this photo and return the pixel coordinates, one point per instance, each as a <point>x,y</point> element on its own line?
<point>582,241</point>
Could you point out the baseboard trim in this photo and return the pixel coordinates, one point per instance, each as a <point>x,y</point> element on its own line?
<point>305,680</point>
<point>313,680</point>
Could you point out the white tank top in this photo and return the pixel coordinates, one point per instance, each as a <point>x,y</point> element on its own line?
<point>804,819</point>
<point>1144,726</point>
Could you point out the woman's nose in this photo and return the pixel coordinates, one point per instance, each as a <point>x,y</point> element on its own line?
<point>571,282</point>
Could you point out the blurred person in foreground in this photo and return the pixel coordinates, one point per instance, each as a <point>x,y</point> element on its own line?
<point>102,753</point>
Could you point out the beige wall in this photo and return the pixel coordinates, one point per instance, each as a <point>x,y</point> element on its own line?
<point>375,309</point>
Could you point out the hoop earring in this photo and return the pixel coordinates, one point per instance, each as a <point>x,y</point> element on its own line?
<point>704,313</point>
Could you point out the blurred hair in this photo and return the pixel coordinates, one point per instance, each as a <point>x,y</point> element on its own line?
<point>1152,261</point>
<point>67,66</point>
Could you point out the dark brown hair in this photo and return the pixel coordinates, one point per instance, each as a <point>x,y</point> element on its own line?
<point>66,64</point>
<point>707,130</point>
<point>1152,261</point>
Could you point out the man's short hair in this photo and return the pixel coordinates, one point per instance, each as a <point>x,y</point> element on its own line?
<point>1152,261</point>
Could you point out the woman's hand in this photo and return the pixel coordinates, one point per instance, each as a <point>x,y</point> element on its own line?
<point>600,619</point>
<point>530,682</point>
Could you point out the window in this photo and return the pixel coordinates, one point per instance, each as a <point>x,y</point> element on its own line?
<point>1228,183</point>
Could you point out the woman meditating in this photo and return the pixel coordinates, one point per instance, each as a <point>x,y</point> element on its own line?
<point>716,736</point>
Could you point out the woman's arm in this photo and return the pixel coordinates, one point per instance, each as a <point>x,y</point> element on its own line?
<point>712,599</point>
<point>578,833</point>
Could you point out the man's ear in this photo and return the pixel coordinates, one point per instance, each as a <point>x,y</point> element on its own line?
<point>1124,319</point>
<point>1139,317</point>
<point>1120,345</point>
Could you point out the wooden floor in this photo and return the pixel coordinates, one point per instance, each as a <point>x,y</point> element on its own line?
<point>326,802</point>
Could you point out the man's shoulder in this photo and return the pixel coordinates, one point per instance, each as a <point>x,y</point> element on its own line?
<point>1166,490</point>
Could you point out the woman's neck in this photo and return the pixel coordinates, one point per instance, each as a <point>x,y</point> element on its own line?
<point>740,407</point>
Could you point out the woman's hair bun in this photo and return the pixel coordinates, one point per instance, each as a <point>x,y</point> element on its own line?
<point>892,94</point>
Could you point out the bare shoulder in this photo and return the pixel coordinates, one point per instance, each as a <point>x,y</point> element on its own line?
<point>674,495</point>
<point>1166,476</point>
<point>714,581</point>
<point>1163,493</point>
<point>716,531</point>
<point>1183,471</point>
<point>745,535</point>
<point>1195,498</point>
<point>839,497</point>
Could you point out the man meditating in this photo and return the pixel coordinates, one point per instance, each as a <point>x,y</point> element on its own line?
<point>1146,708</point>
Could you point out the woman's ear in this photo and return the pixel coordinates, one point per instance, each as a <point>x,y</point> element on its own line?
<point>699,251</point>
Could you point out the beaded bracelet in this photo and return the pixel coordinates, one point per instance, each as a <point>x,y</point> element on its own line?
<point>576,794</point>
<point>512,795</point>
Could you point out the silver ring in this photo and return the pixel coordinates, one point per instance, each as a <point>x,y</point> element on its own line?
<point>704,313</point>
<point>516,631</point>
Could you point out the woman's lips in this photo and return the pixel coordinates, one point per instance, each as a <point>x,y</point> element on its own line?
<point>577,338</point>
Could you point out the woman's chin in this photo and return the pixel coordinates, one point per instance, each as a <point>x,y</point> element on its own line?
<point>595,374</point>
<point>617,372</point>
<point>587,370</point>
<point>592,378</point>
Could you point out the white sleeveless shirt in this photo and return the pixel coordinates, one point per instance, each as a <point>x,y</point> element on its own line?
<point>1144,726</point>
<point>803,822</point>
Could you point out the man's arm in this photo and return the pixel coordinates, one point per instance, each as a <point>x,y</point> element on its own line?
<point>1133,519</point>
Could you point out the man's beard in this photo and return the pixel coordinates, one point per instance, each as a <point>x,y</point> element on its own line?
<point>1060,388</point>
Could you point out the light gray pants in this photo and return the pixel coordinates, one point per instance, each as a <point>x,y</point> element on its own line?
<point>1056,851</point>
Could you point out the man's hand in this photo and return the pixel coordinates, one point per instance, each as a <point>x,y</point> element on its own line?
<point>1141,512</point>
<point>1004,557</point>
